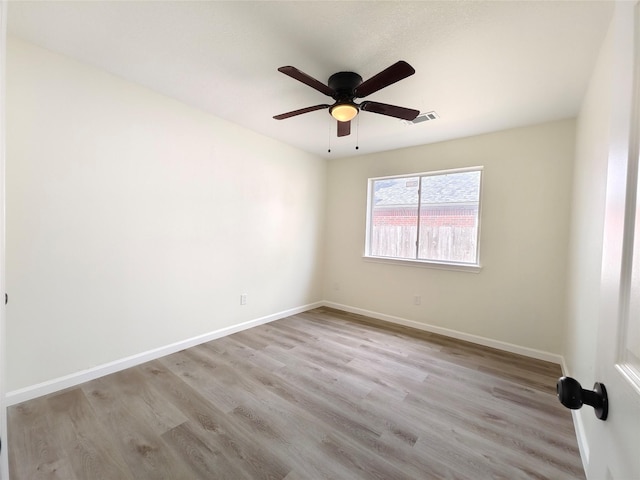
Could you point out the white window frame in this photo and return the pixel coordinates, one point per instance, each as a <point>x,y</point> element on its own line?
<point>474,267</point>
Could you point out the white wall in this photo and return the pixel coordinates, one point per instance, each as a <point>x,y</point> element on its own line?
<point>134,221</point>
<point>518,297</point>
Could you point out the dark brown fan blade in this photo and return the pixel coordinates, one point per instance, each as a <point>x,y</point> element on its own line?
<point>388,76</point>
<point>390,110</point>
<point>344,128</point>
<point>282,116</point>
<point>293,72</point>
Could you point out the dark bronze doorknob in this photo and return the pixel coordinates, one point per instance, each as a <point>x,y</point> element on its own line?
<point>573,396</point>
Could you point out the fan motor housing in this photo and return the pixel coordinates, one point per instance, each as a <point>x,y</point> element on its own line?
<point>344,83</point>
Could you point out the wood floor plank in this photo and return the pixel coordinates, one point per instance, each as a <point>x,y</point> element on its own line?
<point>202,460</point>
<point>213,426</point>
<point>319,395</point>
<point>91,451</point>
<point>38,444</point>
<point>140,446</point>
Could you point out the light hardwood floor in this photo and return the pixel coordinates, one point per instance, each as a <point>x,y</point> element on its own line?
<point>319,395</point>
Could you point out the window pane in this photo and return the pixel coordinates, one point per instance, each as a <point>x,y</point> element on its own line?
<point>449,217</point>
<point>394,217</point>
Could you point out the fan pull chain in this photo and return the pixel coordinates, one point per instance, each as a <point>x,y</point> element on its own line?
<point>330,125</point>
<point>357,132</point>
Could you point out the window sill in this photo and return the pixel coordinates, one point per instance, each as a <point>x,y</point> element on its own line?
<point>458,267</point>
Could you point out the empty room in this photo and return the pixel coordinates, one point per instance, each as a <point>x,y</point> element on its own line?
<point>320,240</point>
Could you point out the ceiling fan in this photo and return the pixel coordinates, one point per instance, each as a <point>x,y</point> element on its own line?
<point>345,87</point>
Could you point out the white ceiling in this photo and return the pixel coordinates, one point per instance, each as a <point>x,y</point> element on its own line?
<point>482,66</point>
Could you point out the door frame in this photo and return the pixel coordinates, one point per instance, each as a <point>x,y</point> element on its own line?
<point>4,458</point>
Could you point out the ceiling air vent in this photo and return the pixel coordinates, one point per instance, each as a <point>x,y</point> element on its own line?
<point>423,117</point>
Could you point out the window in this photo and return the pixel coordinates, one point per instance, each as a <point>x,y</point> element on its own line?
<point>428,217</point>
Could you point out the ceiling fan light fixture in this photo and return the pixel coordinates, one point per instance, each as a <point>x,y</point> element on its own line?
<point>344,112</point>
<point>345,87</point>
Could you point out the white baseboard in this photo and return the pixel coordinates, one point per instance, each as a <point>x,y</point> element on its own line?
<point>50,386</point>
<point>583,444</point>
<point>21,395</point>
<point>578,425</point>
<point>71,380</point>
<point>487,342</point>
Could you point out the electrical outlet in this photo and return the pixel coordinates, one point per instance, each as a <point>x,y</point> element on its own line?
<point>243,299</point>
<point>417,299</point>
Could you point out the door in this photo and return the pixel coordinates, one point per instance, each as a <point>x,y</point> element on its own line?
<point>615,448</point>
